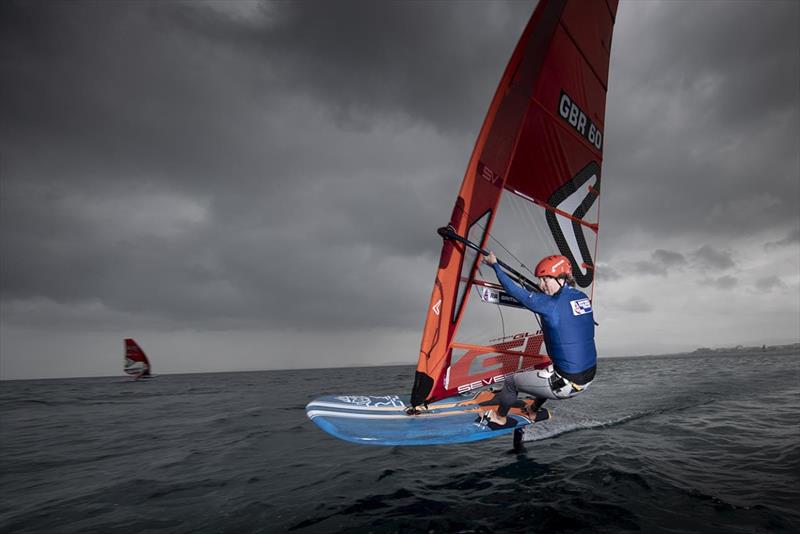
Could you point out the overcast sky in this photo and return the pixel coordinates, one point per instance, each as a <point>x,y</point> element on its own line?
<point>256,185</point>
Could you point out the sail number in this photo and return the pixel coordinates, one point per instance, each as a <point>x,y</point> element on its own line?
<point>577,119</point>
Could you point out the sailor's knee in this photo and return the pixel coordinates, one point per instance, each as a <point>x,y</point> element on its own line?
<point>510,383</point>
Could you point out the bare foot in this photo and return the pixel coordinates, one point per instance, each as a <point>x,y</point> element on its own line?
<point>495,418</point>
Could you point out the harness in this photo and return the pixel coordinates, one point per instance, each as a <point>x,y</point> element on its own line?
<point>558,383</point>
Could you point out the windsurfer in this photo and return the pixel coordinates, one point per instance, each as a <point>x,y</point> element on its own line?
<point>568,327</point>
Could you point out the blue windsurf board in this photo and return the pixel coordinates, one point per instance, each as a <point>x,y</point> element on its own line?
<point>382,419</point>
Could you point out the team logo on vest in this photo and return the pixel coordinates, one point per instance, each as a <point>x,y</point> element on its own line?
<point>581,307</point>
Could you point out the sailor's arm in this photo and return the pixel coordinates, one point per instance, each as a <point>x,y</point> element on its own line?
<point>527,299</point>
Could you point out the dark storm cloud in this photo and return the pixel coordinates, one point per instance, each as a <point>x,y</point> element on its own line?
<point>702,118</point>
<point>171,160</point>
<point>179,163</point>
<point>368,59</point>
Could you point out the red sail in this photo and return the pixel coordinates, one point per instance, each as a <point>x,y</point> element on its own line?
<point>136,362</point>
<point>541,142</point>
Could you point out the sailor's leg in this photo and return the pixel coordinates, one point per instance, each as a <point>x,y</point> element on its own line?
<point>507,396</point>
<point>537,404</point>
<point>536,383</point>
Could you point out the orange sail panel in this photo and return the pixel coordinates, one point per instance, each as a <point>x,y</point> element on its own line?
<point>537,157</point>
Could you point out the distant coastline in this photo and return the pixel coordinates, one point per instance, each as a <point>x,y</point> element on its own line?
<point>741,348</point>
<point>722,351</point>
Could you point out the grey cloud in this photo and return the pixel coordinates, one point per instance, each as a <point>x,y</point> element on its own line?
<point>177,110</point>
<point>607,273</point>
<point>725,282</point>
<point>366,60</point>
<point>193,165</point>
<point>649,268</point>
<point>793,238</point>
<point>710,257</point>
<point>636,304</point>
<point>661,262</point>
<point>770,283</point>
<point>668,258</point>
<point>218,273</point>
<point>710,149</point>
<point>115,93</point>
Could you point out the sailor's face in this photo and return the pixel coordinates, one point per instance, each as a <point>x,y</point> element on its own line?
<point>548,285</point>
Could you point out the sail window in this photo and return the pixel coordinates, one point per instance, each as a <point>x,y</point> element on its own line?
<point>476,234</point>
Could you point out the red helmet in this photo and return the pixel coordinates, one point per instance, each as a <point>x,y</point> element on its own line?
<point>555,266</point>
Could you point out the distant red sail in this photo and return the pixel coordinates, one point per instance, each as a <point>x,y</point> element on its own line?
<point>539,151</point>
<point>136,362</point>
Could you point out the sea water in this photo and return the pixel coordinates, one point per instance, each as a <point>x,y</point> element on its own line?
<point>695,443</point>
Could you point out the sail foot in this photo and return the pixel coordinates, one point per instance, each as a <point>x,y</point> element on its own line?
<point>423,384</point>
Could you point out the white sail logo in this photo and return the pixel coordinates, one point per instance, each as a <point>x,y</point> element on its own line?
<point>437,308</point>
<point>573,219</point>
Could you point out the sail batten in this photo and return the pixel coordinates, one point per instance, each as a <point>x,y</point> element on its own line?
<point>592,226</point>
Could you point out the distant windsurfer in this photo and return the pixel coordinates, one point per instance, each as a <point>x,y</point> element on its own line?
<point>567,323</point>
<point>136,363</point>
